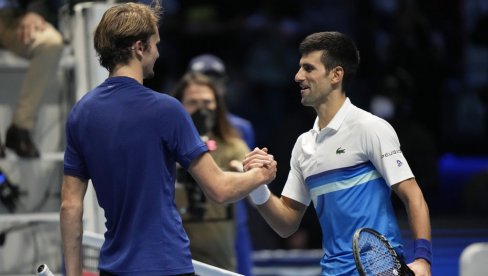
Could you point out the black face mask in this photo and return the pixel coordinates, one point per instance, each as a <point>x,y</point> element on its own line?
<point>204,120</point>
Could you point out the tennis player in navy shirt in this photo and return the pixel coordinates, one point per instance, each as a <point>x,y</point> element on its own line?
<point>127,139</point>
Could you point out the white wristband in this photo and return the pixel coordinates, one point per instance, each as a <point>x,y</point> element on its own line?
<point>260,195</point>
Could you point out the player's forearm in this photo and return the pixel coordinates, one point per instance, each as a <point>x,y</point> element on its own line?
<point>71,232</point>
<point>416,207</point>
<point>282,219</point>
<point>227,187</point>
<point>418,213</point>
<point>233,186</point>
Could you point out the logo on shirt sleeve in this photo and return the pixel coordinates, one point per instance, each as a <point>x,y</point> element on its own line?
<point>340,151</point>
<point>393,152</point>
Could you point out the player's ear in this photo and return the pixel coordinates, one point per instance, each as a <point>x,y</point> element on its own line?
<point>138,48</point>
<point>337,74</point>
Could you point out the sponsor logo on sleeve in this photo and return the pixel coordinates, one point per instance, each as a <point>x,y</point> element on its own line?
<point>393,152</point>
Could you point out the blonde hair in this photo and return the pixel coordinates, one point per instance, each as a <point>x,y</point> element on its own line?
<point>121,26</point>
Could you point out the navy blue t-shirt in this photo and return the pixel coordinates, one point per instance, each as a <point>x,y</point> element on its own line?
<point>127,139</point>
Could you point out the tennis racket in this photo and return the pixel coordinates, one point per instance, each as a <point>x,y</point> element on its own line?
<point>374,256</point>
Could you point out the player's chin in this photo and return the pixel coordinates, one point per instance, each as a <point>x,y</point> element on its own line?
<point>306,102</point>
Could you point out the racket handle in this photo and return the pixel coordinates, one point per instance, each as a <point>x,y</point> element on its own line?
<point>43,270</point>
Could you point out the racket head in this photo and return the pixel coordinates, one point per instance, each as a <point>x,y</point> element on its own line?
<point>374,255</point>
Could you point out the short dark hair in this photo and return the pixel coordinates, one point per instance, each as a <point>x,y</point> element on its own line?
<point>338,50</point>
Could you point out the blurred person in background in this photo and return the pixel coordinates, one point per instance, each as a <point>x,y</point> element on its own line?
<point>214,68</point>
<point>211,227</point>
<point>26,29</point>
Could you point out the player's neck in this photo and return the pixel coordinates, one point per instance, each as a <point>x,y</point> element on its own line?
<point>328,109</point>
<point>128,71</point>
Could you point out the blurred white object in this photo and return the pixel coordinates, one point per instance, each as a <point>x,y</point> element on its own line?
<point>473,259</point>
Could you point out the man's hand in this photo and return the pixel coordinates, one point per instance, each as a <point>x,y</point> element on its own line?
<point>257,158</point>
<point>29,24</point>
<point>420,267</point>
<point>260,159</point>
<point>270,171</point>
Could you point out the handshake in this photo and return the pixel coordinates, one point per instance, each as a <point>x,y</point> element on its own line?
<point>259,158</point>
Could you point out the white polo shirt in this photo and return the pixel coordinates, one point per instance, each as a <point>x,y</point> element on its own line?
<point>347,169</point>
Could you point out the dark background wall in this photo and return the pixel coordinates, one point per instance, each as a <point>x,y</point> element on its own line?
<point>424,68</point>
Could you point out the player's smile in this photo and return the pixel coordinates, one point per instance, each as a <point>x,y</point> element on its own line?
<point>304,89</point>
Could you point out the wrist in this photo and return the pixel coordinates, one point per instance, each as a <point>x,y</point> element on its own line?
<point>423,250</point>
<point>260,195</point>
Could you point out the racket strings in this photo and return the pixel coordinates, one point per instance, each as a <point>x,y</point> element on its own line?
<point>377,258</point>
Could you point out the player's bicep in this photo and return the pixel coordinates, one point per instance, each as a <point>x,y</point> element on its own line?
<point>407,189</point>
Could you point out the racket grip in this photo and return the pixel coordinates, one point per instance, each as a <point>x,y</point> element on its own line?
<point>43,270</point>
